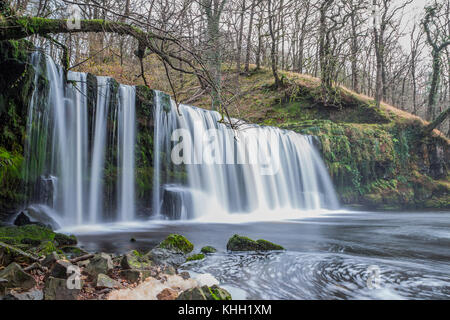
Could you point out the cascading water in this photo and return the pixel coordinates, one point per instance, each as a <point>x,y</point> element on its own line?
<point>258,170</point>
<point>81,140</point>
<point>68,142</point>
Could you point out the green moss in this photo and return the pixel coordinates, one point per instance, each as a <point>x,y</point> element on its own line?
<point>267,245</point>
<point>33,232</point>
<point>241,243</point>
<point>176,242</point>
<point>194,257</point>
<point>208,249</point>
<point>219,294</point>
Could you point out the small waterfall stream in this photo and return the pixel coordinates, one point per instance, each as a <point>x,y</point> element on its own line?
<point>82,140</point>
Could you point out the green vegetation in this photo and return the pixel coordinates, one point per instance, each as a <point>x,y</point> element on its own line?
<point>241,243</point>
<point>178,243</point>
<point>194,257</point>
<point>208,249</point>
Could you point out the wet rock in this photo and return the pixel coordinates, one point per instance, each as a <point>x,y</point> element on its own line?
<point>268,246</point>
<point>50,259</point>
<point>167,269</point>
<point>73,252</point>
<point>208,249</point>
<point>83,264</point>
<point>134,260</point>
<point>194,257</point>
<point>100,263</point>
<point>166,257</point>
<point>205,293</point>
<point>65,240</point>
<point>37,216</point>
<point>3,283</point>
<point>177,243</point>
<point>167,294</point>
<point>9,253</point>
<point>60,289</point>
<point>16,277</point>
<point>240,243</point>
<point>134,276</point>
<point>103,282</point>
<point>33,294</point>
<point>185,275</point>
<point>61,269</point>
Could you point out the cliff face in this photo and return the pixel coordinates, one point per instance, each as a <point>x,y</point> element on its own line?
<point>375,157</point>
<point>16,83</point>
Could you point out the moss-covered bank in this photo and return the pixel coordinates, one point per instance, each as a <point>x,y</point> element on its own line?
<point>377,158</point>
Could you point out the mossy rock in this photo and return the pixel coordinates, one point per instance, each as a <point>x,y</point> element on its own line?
<point>134,260</point>
<point>65,240</point>
<point>29,233</point>
<point>268,246</point>
<point>194,257</point>
<point>241,243</point>
<point>208,249</point>
<point>177,243</point>
<point>205,293</point>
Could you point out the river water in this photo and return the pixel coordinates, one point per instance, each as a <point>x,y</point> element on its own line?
<point>344,255</point>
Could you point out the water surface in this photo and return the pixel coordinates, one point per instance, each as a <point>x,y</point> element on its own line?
<point>329,256</point>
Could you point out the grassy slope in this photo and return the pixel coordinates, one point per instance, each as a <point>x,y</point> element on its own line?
<point>374,155</point>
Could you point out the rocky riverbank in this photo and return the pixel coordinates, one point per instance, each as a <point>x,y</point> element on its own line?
<point>37,263</point>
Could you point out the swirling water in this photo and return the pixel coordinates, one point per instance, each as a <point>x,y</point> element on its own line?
<point>331,256</point>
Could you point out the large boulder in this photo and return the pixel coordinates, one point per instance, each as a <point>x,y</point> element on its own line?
<point>61,269</point>
<point>205,293</point>
<point>240,243</point>
<point>177,243</point>
<point>105,282</point>
<point>100,263</point>
<point>135,260</point>
<point>134,276</point>
<point>33,294</point>
<point>58,289</point>
<point>16,277</point>
<point>50,259</point>
<point>208,250</point>
<point>167,294</point>
<point>37,216</point>
<point>166,257</point>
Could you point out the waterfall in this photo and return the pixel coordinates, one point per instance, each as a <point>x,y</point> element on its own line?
<point>127,137</point>
<point>248,170</point>
<point>81,163</point>
<point>67,144</point>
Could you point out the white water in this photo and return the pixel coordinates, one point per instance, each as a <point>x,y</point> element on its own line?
<point>254,172</point>
<point>127,137</point>
<point>98,151</point>
<point>286,177</point>
<point>73,143</point>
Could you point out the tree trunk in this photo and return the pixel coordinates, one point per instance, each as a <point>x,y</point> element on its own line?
<point>436,123</point>
<point>249,37</point>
